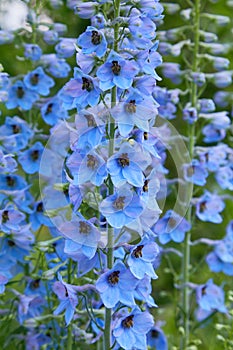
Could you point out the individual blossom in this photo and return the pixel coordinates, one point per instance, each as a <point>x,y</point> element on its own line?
<point>7,163</point>
<point>195,173</point>
<point>172,227</point>
<point>190,114</point>
<point>52,111</point>
<point>80,91</point>
<point>91,167</point>
<point>130,330</point>
<point>38,217</point>
<point>135,111</point>
<point>16,133</point>
<point>141,259</point>
<point>117,285</point>
<point>143,291</point>
<point>122,207</point>
<point>50,37</point>
<point>67,294</point>
<point>83,232</point>
<point>127,165</point>
<point>58,67</point>
<point>116,71</point>
<point>32,52</point>
<point>20,96</point>
<point>38,81</point>
<point>156,338</point>
<point>65,48</point>
<point>209,206</point>
<point>93,40</point>
<point>10,219</point>
<point>210,298</point>
<point>30,159</point>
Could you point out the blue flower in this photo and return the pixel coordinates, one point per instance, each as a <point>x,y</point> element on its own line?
<point>16,133</point>
<point>80,91</point>
<point>190,114</point>
<point>117,285</point>
<point>121,208</point>
<point>50,37</point>
<point>38,217</point>
<point>210,298</point>
<point>30,159</point>
<point>10,219</point>
<point>52,111</point>
<point>38,81</point>
<point>136,110</point>
<point>83,233</point>
<point>91,167</point>
<point>141,259</point>
<point>7,163</point>
<point>116,71</point>
<point>67,294</point>
<point>209,206</point>
<point>156,338</point>
<point>58,67</point>
<point>127,165</point>
<point>171,227</point>
<point>195,173</point>
<point>20,95</point>
<point>93,40</point>
<point>131,329</point>
<point>32,51</point>
<point>65,48</point>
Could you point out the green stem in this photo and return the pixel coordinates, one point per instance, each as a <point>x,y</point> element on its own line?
<point>110,258</point>
<point>69,332</point>
<point>186,251</point>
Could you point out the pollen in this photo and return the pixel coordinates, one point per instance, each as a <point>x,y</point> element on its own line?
<point>95,38</point>
<point>34,79</point>
<point>119,203</point>
<point>123,160</point>
<point>128,322</point>
<point>131,107</point>
<point>84,228</point>
<point>113,278</point>
<point>92,161</point>
<point>116,68</point>
<point>137,253</point>
<point>20,92</point>
<point>87,84</point>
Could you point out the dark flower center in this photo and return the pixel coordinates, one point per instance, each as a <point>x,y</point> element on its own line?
<point>84,227</point>
<point>128,322</point>
<point>119,203</point>
<point>202,206</point>
<point>203,290</point>
<point>116,68</point>
<point>87,84</point>
<point>16,129</point>
<point>40,207</point>
<point>20,92</point>
<point>5,216</point>
<point>123,160</point>
<point>90,120</point>
<point>190,170</point>
<point>154,333</point>
<point>34,79</point>
<point>35,154</point>
<point>145,186</point>
<point>11,243</point>
<point>35,284</point>
<point>95,37</point>
<point>145,134</point>
<point>66,294</point>
<point>137,253</point>
<point>172,222</point>
<point>113,278</point>
<point>92,161</point>
<point>49,108</point>
<point>131,107</point>
<point>10,181</point>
